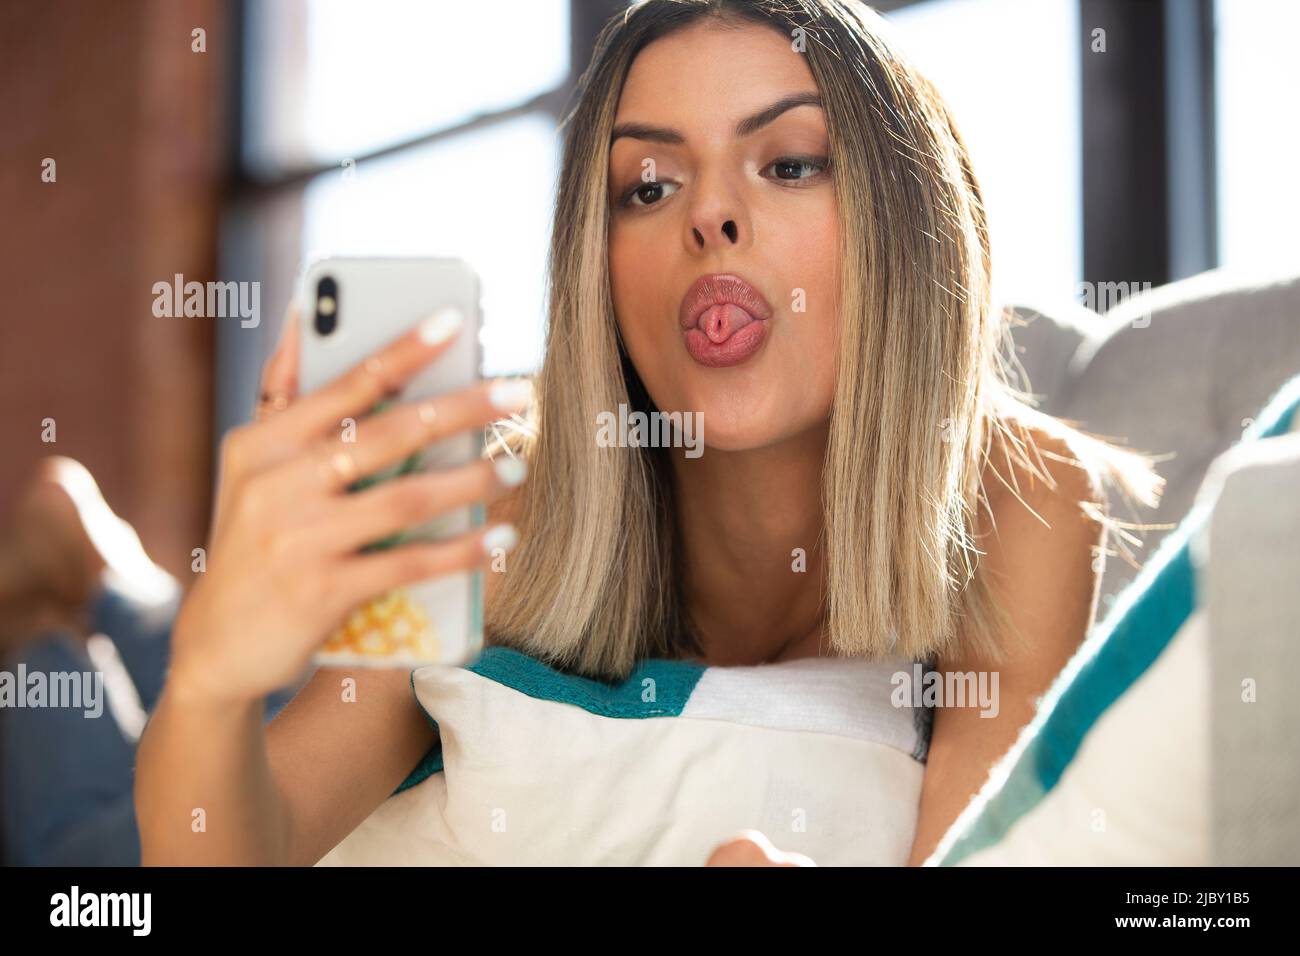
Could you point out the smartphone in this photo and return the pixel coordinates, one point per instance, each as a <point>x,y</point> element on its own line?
<point>349,309</point>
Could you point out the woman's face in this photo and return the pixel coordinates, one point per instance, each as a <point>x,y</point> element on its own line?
<point>693,196</point>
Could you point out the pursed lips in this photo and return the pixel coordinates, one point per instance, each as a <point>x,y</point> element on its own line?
<point>720,289</point>
<point>723,320</point>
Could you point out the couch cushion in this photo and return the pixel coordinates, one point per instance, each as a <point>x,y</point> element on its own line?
<point>1105,714</point>
<point>1177,372</point>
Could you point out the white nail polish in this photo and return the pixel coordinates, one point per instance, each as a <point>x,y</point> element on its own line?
<point>441,326</point>
<point>511,395</point>
<point>511,471</point>
<point>503,536</point>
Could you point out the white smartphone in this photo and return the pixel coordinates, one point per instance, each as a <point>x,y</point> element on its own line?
<point>349,309</point>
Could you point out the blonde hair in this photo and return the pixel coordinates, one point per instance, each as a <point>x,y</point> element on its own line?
<point>923,385</point>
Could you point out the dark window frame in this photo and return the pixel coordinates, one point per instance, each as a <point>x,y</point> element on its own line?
<point>1150,189</point>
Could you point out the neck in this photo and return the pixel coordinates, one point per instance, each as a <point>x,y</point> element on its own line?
<point>740,518</point>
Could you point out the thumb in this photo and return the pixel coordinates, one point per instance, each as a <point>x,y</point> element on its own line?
<point>753,848</point>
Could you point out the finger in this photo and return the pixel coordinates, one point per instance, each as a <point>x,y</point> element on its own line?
<point>279,383</point>
<point>738,851</point>
<point>356,391</point>
<point>409,501</point>
<point>753,848</point>
<point>377,572</point>
<point>390,437</point>
<point>280,376</point>
<point>735,856</point>
<point>770,854</point>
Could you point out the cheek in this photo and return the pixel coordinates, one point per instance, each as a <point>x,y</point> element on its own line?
<point>633,288</point>
<point>811,246</point>
<point>642,299</point>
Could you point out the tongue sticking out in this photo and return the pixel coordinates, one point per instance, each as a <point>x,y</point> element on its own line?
<point>721,322</point>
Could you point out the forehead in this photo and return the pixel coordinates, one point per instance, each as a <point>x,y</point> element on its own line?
<point>712,73</point>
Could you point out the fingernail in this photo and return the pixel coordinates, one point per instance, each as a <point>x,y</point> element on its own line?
<point>511,395</point>
<point>511,471</point>
<point>441,326</point>
<point>503,536</point>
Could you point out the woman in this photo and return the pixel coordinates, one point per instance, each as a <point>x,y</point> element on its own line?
<point>765,216</point>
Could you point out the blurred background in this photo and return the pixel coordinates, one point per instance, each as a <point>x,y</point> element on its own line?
<point>431,128</point>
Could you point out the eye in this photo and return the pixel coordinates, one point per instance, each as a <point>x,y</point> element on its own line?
<point>790,168</point>
<point>648,193</point>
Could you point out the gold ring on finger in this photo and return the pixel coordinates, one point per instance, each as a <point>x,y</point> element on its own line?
<point>374,366</point>
<point>269,402</point>
<point>343,467</point>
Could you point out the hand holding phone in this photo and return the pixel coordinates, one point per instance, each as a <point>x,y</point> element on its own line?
<point>286,554</point>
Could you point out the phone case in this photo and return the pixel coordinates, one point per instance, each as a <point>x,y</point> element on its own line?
<point>439,621</point>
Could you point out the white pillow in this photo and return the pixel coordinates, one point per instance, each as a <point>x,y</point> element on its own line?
<point>538,767</point>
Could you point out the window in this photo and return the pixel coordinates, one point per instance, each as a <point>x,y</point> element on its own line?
<point>329,81</point>
<point>1009,70</point>
<point>1258,78</point>
<point>396,127</point>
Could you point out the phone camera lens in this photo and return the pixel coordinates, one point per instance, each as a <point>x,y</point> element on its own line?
<point>327,306</point>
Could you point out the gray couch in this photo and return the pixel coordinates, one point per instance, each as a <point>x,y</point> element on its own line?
<point>1180,372</point>
<point>1176,372</point>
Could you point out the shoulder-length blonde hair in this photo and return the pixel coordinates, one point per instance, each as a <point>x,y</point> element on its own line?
<point>922,388</point>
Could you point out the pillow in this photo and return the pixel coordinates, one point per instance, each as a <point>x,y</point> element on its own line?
<point>538,767</point>
<point>1114,767</point>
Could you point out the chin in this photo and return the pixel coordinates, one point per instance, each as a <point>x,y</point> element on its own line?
<point>734,423</point>
<point>734,440</point>
<point>743,408</point>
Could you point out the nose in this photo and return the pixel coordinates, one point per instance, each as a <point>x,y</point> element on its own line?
<point>728,230</point>
<point>716,220</point>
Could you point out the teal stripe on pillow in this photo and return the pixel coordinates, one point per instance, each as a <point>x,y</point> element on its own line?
<point>1143,622</point>
<point>658,687</point>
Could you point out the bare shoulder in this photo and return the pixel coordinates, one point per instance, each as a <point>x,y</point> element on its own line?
<point>1043,535</point>
<point>1042,474</point>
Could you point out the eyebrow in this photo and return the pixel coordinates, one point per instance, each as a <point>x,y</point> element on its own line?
<point>751,124</point>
